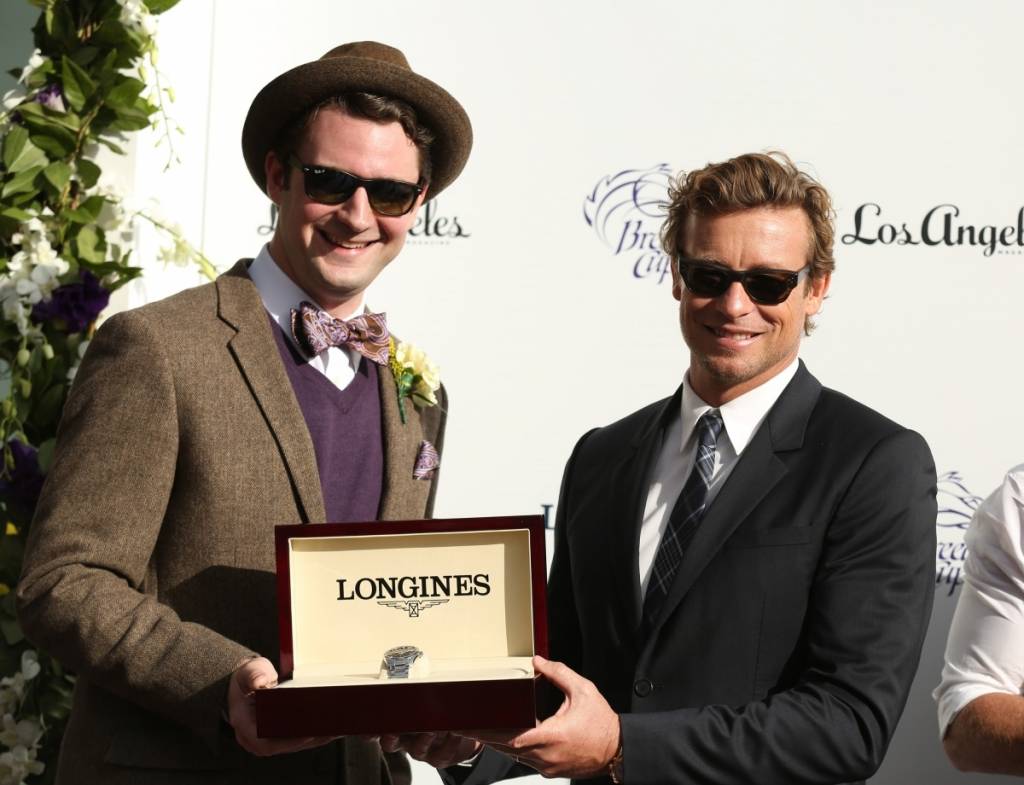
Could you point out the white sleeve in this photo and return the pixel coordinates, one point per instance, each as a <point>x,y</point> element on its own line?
<point>985,649</point>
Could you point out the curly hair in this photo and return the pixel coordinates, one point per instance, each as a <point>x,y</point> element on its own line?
<point>753,180</point>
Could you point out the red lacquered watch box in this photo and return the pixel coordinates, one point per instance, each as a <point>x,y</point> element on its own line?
<point>469,593</point>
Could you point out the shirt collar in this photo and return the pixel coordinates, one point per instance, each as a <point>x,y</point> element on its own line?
<point>741,416</point>
<point>279,292</point>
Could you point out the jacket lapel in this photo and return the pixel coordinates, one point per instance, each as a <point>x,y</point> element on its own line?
<point>757,471</point>
<point>256,353</point>
<point>403,497</point>
<point>630,483</point>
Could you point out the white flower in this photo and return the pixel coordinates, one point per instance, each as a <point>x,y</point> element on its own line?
<point>13,97</point>
<point>34,62</point>
<point>34,271</point>
<point>14,310</point>
<point>18,764</point>
<point>8,103</point>
<point>34,281</point>
<point>115,219</point>
<point>25,733</point>
<point>34,227</point>
<point>136,17</point>
<point>29,670</point>
<point>30,667</point>
<point>16,684</point>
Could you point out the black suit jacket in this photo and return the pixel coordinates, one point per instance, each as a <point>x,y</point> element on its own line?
<point>787,645</point>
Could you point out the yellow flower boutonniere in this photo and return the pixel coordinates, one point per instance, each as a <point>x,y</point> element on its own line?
<point>416,376</point>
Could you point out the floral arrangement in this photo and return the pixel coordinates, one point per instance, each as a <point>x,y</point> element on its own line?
<point>416,376</point>
<point>64,247</point>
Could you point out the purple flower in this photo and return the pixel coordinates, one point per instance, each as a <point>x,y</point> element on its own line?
<point>22,484</point>
<point>52,98</point>
<point>73,306</point>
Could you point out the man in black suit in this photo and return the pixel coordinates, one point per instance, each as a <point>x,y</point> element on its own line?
<point>743,572</point>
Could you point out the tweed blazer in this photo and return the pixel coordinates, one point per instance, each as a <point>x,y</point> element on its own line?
<point>150,564</point>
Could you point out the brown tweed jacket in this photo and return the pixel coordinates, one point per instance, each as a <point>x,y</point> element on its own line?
<point>150,564</point>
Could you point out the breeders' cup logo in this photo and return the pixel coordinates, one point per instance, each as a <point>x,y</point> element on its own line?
<point>956,503</point>
<point>956,508</point>
<point>942,225</point>
<point>627,210</point>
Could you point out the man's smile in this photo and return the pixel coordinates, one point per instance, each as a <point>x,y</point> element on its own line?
<point>731,335</point>
<point>346,244</point>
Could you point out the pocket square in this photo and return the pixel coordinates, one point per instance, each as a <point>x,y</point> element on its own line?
<point>426,462</point>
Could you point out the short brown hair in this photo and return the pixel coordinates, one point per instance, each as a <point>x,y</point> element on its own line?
<point>752,180</point>
<point>378,108</point>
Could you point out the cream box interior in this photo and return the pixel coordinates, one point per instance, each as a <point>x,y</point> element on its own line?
<point>463,598</point>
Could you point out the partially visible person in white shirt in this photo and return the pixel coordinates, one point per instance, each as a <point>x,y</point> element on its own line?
<point>981,708</point>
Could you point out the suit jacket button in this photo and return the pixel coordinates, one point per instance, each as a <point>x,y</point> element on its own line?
<point>643,687</point>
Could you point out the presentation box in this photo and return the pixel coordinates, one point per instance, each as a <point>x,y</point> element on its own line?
<point>469,593</point>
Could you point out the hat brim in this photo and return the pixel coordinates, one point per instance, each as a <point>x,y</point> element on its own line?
<point>295,91</point>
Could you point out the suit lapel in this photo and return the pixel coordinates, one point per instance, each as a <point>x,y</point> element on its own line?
<point>256,353</point>
<point>757,471</point>
<point>630,483</point>
<point>404,497</point>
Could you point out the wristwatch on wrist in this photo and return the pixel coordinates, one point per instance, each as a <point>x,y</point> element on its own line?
<point>615,766</point>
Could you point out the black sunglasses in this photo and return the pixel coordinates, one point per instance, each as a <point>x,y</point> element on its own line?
<point>333,186</point>
<point>766,287</point>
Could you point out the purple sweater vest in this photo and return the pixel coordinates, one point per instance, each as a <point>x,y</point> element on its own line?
<point>346,429</point>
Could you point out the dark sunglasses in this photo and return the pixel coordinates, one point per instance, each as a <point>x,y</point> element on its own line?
<point>333,186</point>
<point>766,287</point>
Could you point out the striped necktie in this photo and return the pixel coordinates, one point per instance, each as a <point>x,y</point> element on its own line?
<point>685,517</point>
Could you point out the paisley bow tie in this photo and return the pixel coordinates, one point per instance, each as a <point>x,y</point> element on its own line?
<point>316,330</point>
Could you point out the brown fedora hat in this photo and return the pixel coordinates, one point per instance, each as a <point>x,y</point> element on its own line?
<point>364,66</point>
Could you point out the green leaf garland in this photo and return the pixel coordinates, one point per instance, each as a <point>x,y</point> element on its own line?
<point>61,254</point>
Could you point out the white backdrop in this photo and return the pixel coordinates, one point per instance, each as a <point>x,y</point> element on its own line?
<point>908,106</point>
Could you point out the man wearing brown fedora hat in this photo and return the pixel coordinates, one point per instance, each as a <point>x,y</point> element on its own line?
<point>199,422</point>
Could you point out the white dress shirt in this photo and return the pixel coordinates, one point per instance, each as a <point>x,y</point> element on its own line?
<point>985,649</point>
<point>280,294</point>
<point>741,418</point>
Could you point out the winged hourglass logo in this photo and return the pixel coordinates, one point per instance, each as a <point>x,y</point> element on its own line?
<point>412,606</point>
